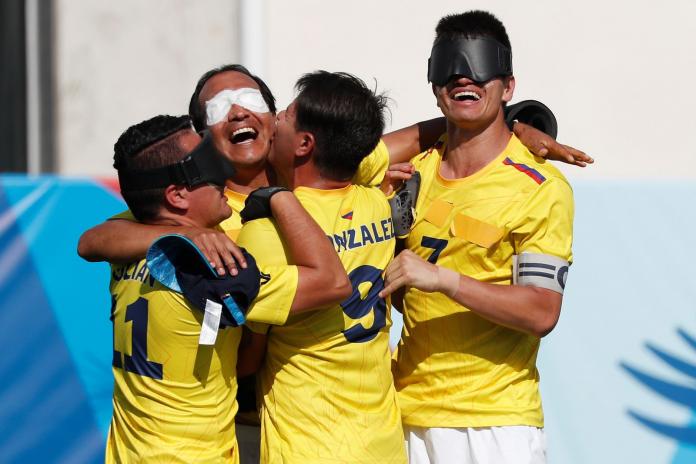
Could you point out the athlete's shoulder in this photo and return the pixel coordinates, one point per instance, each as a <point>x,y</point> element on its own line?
<point>521,162</point>
<point>431,156</point>
<point>257,227</point>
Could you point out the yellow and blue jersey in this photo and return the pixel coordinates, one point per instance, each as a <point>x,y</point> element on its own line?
<point>452,367</point>
<point>373,167</point>
<point>174,400</point>
<point>326,385</point>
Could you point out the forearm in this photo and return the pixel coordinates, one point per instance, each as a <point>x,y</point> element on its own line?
<point>119,241</point>
<point>528,309</point>
<point>322,278</point>
<point>404,144</point>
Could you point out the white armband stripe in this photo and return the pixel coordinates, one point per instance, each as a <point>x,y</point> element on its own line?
<point>539,270</point>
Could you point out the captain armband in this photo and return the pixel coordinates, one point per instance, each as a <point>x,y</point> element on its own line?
<point>539,270</point>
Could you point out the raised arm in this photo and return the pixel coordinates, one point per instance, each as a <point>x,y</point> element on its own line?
<point>404,144</point>
<point>125,241</point>
<point>322,279</point>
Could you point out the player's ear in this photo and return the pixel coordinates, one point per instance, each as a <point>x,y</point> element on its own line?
<point>508,88</point>
<point>305,145</point>
<point>176,196</point>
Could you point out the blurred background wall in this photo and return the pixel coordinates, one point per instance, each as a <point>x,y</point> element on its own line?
<point>617,74</point>
<point>618,373</point>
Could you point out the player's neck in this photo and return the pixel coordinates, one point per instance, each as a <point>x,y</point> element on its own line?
<point>308,175</point>
<point>469,151</point>
<point>248,179</point>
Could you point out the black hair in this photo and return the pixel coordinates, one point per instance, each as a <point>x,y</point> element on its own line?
<point>472,24</point>
<point>345,117</point>
<point>196,110</point>
<point>149,144</point>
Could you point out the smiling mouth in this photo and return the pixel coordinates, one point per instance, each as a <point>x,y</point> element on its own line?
<point>245,134</point>
<point>467,96</point>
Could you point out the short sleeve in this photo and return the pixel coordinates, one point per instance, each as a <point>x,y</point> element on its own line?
<point>372,169</point>
<point>278,278</point>
<point>545,221</point>
<point>277,291</point>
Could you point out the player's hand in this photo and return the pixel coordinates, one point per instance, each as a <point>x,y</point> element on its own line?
<point>409,269</point>
<point>545,146</point>
<point>258,203</point>
<point>220,251</point>
<point>395,176</point>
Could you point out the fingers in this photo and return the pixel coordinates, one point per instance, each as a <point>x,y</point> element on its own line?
<point>392,276</point>
<point>580,157</point>
<point>220,251</point>
<point>407,168</point>
<point>391,286</point>
<point>555,150</point>
<point>559,152</point>
<point>236,252</point>
<point>536,141</point>
<point>397,173</point>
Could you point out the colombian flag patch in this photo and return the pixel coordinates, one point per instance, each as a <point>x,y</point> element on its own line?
<point>348,215</point>
<point>533,173</point>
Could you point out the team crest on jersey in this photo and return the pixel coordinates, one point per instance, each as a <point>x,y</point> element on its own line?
<point>348,215</point>
<point>264,278</point>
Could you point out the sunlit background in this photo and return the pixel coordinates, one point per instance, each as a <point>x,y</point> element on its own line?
<point>618,373</point>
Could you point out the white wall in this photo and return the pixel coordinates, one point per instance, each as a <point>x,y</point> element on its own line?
<point>119,62</point>
<point>617,74</point>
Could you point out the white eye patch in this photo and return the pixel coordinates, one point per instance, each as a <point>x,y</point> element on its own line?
<point>216,108</point>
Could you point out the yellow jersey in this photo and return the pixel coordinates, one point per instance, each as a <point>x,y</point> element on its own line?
<point>233,224</point>
<point>326,385</point>
<point>452,367</point>
<point>174,400</point>
<point>373,167</point>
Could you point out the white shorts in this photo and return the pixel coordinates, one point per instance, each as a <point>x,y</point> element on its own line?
<point>514,444</point>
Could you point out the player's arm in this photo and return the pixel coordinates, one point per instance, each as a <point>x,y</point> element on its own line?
<point>404,144</point>
<point>125,241</point>
<point>532,310</point>
<point>541,233</point>
<point>322,280</point>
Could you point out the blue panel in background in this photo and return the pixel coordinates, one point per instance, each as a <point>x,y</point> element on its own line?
<point>630,298</point>
<point>45,414</point>
<point>51,213</point>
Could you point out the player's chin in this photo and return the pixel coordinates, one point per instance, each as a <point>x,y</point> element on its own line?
<point>225,212</point>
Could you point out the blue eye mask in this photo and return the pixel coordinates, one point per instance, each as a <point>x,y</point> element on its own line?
<point>216,108</point>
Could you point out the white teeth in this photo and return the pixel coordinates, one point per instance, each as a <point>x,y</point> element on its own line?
<point>243,130</point>
<point>461,95</point>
